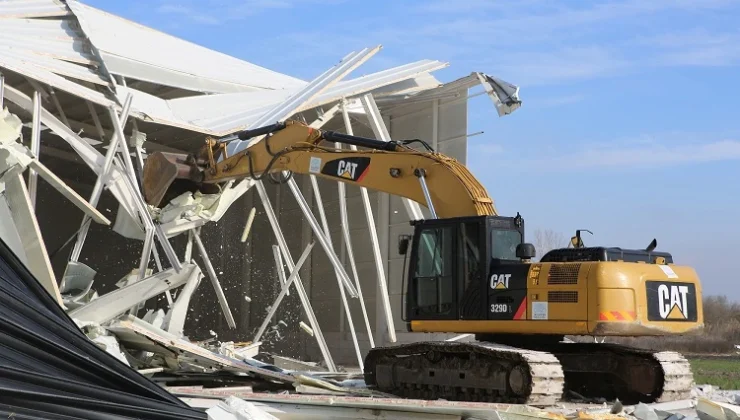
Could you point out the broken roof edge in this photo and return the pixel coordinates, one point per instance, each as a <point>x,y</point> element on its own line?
<point>149,108</point>
<point>505,96</point>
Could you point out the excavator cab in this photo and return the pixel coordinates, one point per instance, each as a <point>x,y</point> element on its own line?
<point>452,261</point>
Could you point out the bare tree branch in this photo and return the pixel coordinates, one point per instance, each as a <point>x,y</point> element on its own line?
<point>545,240</point>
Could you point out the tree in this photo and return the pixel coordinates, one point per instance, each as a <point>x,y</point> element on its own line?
<point>545,240</point>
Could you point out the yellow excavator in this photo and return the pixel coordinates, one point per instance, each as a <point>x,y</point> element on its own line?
<point>471,271</point>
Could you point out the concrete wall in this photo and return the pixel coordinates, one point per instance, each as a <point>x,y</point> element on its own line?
<point>248,269</point>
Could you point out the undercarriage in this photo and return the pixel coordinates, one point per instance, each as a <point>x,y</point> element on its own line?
<point>538,371</point>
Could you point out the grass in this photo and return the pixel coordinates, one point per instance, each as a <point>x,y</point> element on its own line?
<point>722,372</point>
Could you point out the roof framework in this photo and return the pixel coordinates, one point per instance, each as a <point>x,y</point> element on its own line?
<point>66,76</point>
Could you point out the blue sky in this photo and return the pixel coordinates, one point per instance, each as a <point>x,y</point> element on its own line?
<point>629,125</point>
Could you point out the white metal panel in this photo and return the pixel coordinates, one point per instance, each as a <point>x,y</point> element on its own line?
<point>168,60</point>
<point>63,49</point>
<point>49,28</point>
<point>45,76</point>
<point>32,8</point>
<point>59,67</point>
<point>54,45</point>
<point>224,114</point>
<point>373,81</point>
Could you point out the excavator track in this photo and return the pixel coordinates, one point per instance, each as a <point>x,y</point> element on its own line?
<point>472,371</point>
<point>611,371</point>
<point>490,372</point>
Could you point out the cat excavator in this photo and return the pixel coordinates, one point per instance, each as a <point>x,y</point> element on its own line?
<point>470,271</point>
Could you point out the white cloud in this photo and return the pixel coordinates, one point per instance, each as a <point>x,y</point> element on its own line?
<point>557,101</point>
<point>486,149</point>
<point>216,12</point>
<point>530,42</point>
<point>632,156</point>
<point>188,13</point>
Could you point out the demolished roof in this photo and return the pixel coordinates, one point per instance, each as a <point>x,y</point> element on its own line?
<point>180,90</point>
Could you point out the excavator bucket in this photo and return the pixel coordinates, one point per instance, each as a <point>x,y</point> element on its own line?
<point>167,175</point>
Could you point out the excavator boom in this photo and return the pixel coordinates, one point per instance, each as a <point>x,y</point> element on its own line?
<point>390,167</point>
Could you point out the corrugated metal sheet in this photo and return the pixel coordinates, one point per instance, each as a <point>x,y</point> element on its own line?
<point>45,76</point>
<point>57,66</point>
<point>31,8</point>
<point>171,61</point>
<point>47,48</point>
<point>224,114</point>
<point>376,80</point>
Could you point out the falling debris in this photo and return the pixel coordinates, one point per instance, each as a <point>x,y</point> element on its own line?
<point>248,227</point>
<point>247,298</point>
<point>306,328</point>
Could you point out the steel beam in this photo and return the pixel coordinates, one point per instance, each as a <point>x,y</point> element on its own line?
<point>379,262</point>
<point>320,121</point>
<point>381,133</point>
<point>27,225</point>
<point>214,280</point>
<point>284,290</point>
<point>115,303</point>
<point>321,237</point>
<point>35,147</point>
<point>325,223</point>
<point>280,269</point>
<point>175,318</point>
<point>98,187</point>
<point>298,283</point>
<point>2,91</point>
<point>305,95</point>
<point>94,159</point>
<point>96,120</point>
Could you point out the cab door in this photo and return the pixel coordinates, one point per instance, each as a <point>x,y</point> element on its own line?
<point>433,291</point>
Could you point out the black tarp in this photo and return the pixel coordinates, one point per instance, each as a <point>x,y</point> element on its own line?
<point>50,369</point>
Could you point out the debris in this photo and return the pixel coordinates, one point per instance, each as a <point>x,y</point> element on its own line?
<point>643,412</point>
<point>135,333</point>
<point>150,371</point>
<point>288,363</point>
<point>248,227</point>
<point>306,328</point>
<point>236,409</point>
<point>712,410</point>
<point>240,351</point>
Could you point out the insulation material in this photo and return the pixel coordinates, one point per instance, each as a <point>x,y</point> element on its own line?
<point>233,408</point>
<point>50,368</point>
<point>186,211</point>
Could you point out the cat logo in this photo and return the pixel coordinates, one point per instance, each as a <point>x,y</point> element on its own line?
<point>500,281</point>
<point>352,169</point>
<point>346,169</point>
<point>672,302</point>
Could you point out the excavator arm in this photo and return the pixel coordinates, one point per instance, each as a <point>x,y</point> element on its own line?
<point>391,167</point>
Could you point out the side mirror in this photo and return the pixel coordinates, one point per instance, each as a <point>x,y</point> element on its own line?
<point>403,244</point>
<point>525,251</point>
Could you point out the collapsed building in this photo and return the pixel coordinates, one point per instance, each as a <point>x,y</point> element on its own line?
<point>79,88</point>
